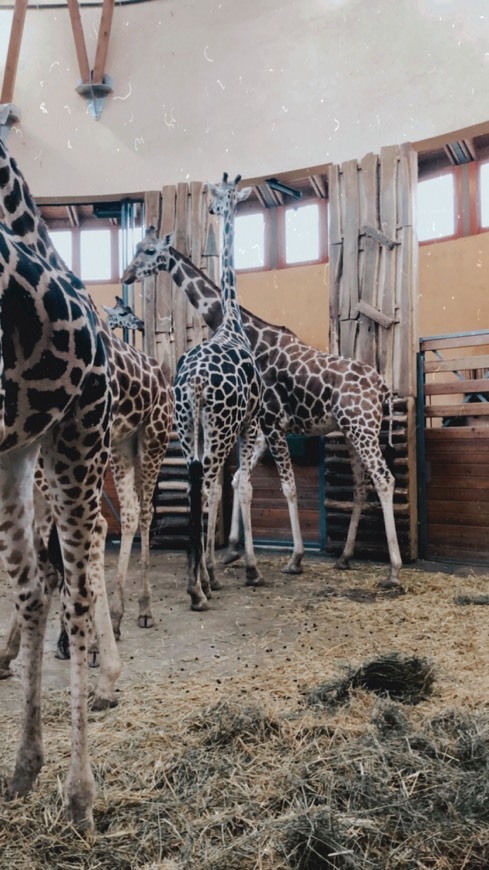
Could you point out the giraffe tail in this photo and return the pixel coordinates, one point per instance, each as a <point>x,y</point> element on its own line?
<point>196,478</point>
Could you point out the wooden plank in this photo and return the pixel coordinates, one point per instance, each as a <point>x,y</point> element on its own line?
<point>348,334</point>
<point>405,335</point>
<point>452,491</point>
<point>13,51</point>
<point>368,264</point>
<point>335,256</point>
<point>164,290</point>
<point>196,244</point>
<point>455,513</point>
<point>348,300</point>
<point>459,469</point>
<point>180,303</point>
<point>479,385</point>
<point>468,409</point>
<point>475,339</point>
<point>152,207</point>
<point>466,433</point>
<point>387,295</point>
<point>463,363</point>
<point>78,36</point>
<point>103,41</point>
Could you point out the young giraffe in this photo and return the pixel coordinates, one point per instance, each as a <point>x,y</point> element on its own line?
<point>305,391</point>
<point>217,395</point>
<point>54,396</point>
<point>141,420</point>
<point>122,315</point>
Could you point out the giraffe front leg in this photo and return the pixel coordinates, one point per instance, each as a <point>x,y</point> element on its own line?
<point>104,649</point>
<point>27,567</point>
<point>122,463</point>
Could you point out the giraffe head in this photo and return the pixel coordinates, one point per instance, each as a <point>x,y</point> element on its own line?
<point>122,315</point>
<point>225,196</point>
<point>152,255</point>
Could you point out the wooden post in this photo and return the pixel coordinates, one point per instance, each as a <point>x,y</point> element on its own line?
<point>13,51</point>
<point>81,49</point>
<point>103,41</point>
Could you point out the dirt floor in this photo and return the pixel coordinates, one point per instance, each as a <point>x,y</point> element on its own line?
<point>277,641</point>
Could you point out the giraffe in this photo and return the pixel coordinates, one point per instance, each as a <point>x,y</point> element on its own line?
<point>122,315</point>
<point>217,394</point>
<point>140,426</point>
<point>54,396</point>
<point>305,391</point>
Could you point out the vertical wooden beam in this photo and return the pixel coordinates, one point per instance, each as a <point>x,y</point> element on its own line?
<point>13,51</point>
<point>81,49</point>
<point>103,41</point>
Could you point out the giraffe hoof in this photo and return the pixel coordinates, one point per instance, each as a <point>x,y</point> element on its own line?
<point>231,556</point>
<point>146,621</point>
<point>342,563</point>
<point>216,585</point>
<point>292,569</point>
<point>254,578</point>
<point>99,704</point>
<point>199,606</point>
<point>391,583</point>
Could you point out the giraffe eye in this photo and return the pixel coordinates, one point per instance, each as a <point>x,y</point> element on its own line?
<point>150,251</point>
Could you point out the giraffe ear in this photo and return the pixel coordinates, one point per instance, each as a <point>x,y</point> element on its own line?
<point>243,193</point>
<point>212,188</point>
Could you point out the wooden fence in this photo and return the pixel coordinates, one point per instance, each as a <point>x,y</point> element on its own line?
<point>454,447</point>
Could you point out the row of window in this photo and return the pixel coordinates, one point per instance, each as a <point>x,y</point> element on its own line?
<point>279,237</point>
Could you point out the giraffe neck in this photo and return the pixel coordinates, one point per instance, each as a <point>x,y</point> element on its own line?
<point>230,304</point>
<point>21,214</point>
<point>205,296</point>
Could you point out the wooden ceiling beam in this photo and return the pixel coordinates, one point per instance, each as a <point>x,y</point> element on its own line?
<point>81,49</point>
<point>103,41</point>
<point>13,51</point>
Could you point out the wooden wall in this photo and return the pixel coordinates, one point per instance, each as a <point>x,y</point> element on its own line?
<point>454,453</point>
<point>373,264</point>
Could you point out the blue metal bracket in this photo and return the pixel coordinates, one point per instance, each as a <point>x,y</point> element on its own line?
<point>95,94</point>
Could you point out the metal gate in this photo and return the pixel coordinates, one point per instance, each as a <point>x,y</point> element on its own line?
<point>453,447</point>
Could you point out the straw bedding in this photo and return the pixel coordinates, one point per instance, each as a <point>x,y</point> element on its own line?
<point>363,743</point>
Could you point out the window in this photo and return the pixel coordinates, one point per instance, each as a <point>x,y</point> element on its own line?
<point>484,195</point>
<point>63,242</point>
<point>436,207</point>
<point>249,241</point>
<point>96,255</point>
<point>302,234</point>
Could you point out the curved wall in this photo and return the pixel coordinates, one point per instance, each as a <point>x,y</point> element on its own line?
<point>255,87</point>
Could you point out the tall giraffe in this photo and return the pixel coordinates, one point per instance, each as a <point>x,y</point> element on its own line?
<point>140,426</point>
<point>217,395</point>
<point>305,391</point>
<point>54,397</point>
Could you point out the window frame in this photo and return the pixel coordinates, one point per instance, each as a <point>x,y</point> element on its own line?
<point>454,171</point>
<point>274,234</point>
